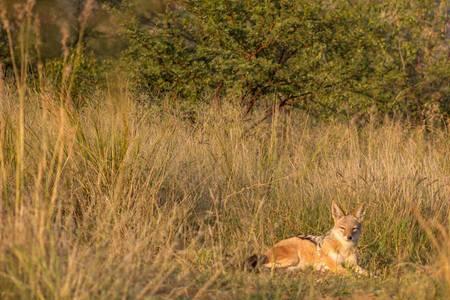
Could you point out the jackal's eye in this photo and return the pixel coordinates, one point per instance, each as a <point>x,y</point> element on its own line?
<point>342,228</point>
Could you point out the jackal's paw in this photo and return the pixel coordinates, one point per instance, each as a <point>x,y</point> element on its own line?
<point>362,271</point>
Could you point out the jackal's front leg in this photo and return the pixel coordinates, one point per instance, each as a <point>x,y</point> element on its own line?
<point>361,271</point>
<point>333,266</point>
<point>352,262</point>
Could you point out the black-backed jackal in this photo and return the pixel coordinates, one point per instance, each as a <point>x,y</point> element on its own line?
<point>334,251</point>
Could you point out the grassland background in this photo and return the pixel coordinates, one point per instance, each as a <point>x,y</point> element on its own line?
<point>121,200</point>
<point>108,195</point>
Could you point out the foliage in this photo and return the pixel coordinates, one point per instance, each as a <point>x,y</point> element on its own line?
<point>327,57</point>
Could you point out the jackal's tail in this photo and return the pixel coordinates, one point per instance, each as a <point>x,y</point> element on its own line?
<point>254,262</point>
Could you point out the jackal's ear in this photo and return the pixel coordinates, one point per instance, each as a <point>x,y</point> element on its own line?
<point>360,212</point>
<point>336,211</point>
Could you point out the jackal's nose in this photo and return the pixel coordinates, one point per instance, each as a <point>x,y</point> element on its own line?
<point>349,237</point>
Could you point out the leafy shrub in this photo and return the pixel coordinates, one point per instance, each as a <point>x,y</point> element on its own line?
<point>327,57</point>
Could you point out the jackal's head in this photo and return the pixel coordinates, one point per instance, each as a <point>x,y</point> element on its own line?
<point>347,227</point>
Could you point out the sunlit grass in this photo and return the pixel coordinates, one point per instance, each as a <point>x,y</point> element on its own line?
<point>123,200</point>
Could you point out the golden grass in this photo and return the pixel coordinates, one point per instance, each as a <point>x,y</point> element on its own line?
<point>121,200</point>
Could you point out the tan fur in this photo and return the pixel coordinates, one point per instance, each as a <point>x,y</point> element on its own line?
<point>336,252</point>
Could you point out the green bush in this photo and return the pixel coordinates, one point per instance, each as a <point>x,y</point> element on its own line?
<point>330,58</point>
